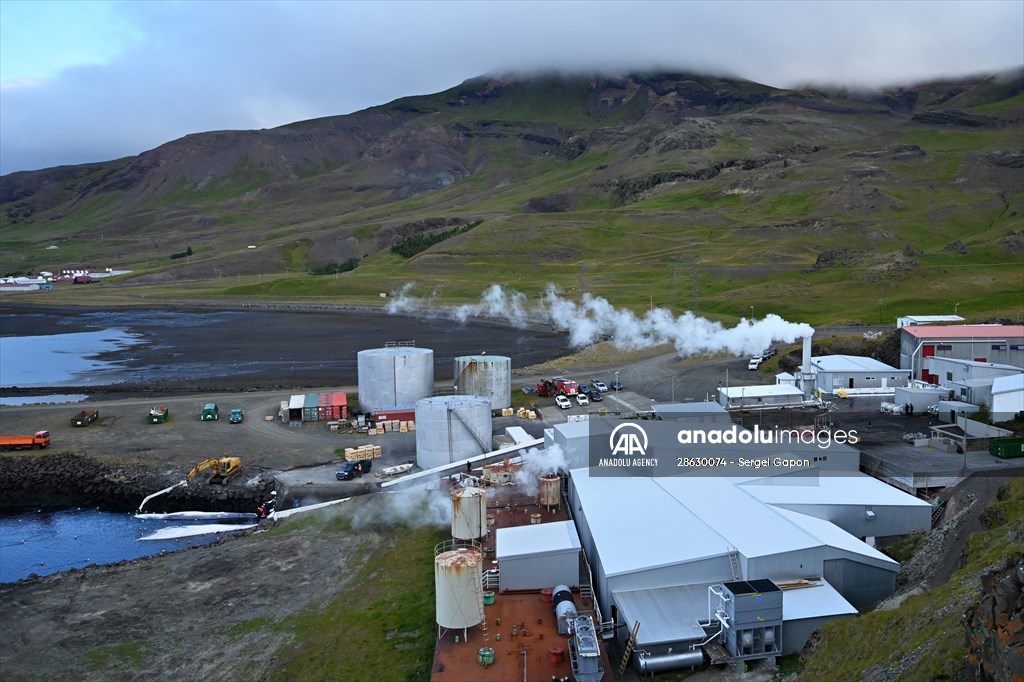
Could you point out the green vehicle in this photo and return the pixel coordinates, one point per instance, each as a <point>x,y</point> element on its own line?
<point>158,414</point>
<point>210,412</point>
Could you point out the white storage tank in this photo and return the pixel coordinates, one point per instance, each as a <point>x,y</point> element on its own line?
<point>489,376</point>
<point>450,428</point>
<point>458,583</point>
<point>469,513</point>
<point>394,376</point>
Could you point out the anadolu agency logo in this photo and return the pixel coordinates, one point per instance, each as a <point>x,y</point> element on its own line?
<point>628,440</point>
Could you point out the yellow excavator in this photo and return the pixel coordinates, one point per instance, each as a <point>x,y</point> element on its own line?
<point>224,469</point>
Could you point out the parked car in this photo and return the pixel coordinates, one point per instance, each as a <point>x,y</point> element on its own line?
<point>562,402</point>
<point>615,385</point>
<point>350,470</point>
<point>754,363</point>
<point>595,395</point>
<point>769,353</point>
<point>599,385</point>
<point>584,389</point>
<point>236,416</point>
<point>582,399</point>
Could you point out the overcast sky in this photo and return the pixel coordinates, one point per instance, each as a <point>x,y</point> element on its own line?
<point>88,81</point>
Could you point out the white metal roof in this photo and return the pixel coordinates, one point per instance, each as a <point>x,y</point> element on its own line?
<point>851,488</point>
<point>1008,384</point>
<point>835,538</point>
<point>657,522</point>
<point>297,401</point>
<point>637,525</point>
<point>753,528</point>
<point>666,614</point>
<point>761,391</point>
<point>814,602</point>
<point>925,319</point>
<point>536,539</point>
<point>851,363</point>
<point>701,407</point>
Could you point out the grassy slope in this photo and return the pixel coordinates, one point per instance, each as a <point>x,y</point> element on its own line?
<point>924,636</point>
<point>381,626</point>
<point>746,237</point>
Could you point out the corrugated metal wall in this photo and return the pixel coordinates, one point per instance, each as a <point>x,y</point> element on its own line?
<point>561,567</point>
<point>860,584</point>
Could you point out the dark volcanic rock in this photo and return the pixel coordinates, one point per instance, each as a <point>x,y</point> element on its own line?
<point>995,627</point>
<point>950,117</point>
<point>1007,159</point>
<point>552,203</point>
<point>65,480</point>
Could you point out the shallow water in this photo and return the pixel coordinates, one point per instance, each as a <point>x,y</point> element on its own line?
<point>62,359</point>
<point>49,541</point>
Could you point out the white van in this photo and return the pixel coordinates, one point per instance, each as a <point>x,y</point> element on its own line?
<point>754,363</point>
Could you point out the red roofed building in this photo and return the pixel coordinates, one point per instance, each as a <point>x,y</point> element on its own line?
<point>1001,344</point>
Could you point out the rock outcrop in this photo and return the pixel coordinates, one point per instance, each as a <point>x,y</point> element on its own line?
<point>995,627</point>
<point>61,480</point>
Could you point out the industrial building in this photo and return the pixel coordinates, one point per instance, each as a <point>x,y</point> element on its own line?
<point>852,375</point>
<point>1001,344</point>
<point>769,397</point>
<point>914,320</point>
<point>683,535</point>
<point>1007,397</point>
<point>659,546</point>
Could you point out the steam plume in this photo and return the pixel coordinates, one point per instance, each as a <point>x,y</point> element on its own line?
<point>593,319</point>
<point>537,462</point>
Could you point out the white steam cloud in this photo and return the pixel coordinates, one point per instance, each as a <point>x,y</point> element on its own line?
<point>414,507</point>
<point>594,319</point>
<point>537,462</point>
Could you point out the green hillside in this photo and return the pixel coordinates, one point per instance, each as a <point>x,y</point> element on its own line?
<point>685,191</point>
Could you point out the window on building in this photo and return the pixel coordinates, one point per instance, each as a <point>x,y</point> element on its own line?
<point>949,376</point>
<point>1017,347</point>
<point>996,346</point>
<point>944,346</point>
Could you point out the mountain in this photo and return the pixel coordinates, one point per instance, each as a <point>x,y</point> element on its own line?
<point>710,193</point>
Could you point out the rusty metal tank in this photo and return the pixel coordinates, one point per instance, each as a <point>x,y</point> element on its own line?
<point>458,582</point>
<point>550,494</point>
<point>469,513</point>
<point>489,376</point>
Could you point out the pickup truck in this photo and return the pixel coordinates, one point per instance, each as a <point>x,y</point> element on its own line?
<point>350,470</point>
<point>236,416</point>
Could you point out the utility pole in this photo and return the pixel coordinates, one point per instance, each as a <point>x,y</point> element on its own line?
<point>675,263</point>
<point>693,281</point>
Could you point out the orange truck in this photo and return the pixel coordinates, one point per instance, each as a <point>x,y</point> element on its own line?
<point>40,439</point>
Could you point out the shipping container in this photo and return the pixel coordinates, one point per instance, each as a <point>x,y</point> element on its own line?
<point>1007,448</point>
<point>399,412</point>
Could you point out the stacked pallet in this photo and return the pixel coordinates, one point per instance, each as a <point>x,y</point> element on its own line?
<point>507,412</point>
<point>362,452</point>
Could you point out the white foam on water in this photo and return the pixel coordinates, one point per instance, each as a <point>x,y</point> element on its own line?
<point>189,531</point>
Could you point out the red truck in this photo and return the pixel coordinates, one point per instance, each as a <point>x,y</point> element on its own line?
<point>566,386</point>
<point>40,439</point>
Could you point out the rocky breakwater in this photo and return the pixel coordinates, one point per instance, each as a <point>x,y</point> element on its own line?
<point>70,480</point>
